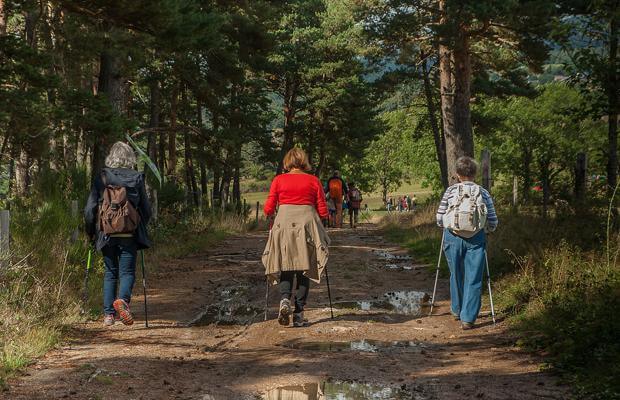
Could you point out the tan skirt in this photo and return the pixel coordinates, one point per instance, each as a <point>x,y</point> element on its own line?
<point>297,242</point>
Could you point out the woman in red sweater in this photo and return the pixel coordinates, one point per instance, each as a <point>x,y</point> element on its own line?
<point>298,243</point>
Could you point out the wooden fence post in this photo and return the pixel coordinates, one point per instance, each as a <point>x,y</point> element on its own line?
<point>5,222</point>
<point>74,213</point>
<point>487,182</point>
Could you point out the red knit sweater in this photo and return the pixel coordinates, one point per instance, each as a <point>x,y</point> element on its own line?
<point>296,188</point>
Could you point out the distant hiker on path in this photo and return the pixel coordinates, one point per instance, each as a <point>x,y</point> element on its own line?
<point>337,191</point>
<point>116,215</point>
<point>354,197</point>
<point>331,208</point>
<point>298,243</point>
<point>465,212</point>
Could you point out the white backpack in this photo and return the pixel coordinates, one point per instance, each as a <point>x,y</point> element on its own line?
<point>467,212</point>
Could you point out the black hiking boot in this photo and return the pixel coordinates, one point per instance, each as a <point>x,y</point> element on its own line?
<point>284,315</point>
<point>299,320</point>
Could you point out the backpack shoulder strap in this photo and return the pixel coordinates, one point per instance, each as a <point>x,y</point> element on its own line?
<point>104,179</point>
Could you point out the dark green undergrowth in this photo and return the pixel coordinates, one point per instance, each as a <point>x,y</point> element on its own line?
<point>556,283</point>
<point>42,279</point>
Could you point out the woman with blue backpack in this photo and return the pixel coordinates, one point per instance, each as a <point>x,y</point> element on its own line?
<point>466,213</point>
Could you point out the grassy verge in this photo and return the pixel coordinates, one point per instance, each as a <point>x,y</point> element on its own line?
<point>555,283</point>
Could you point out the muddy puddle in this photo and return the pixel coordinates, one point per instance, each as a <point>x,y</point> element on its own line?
<point>234,308</point>
<point>364,345</point>
<point>409,302</point>
<point>388,256</point>
<point>395,262</point>
<point>338,391</point>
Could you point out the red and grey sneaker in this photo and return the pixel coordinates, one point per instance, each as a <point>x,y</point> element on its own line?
<point>108,320</point>
<point>122,310</point>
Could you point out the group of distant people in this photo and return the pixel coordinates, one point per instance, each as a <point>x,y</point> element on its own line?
<point>340,196</point>
<point>405,203</point>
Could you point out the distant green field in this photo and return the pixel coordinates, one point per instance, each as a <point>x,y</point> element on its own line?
<point>373,200</point>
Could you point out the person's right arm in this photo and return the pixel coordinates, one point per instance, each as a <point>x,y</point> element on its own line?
<point>321,206</point>
<point>272,198</point>
<point>492,220</point>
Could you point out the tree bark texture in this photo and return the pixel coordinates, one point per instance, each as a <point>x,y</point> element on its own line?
<point>110,85</point>
<point>172,135</point>
<point>290,97</point>
<point>455,83</point>
<point>438,135</point>
<point>612,98</point>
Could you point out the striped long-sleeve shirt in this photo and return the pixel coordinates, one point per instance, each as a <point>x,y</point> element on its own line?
<point>452,191</point>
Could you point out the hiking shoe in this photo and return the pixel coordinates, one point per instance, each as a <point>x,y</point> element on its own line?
<point>467,326</point>
<point>108,320</point>
<point>122,309</point>
<point>456,317</point>
<point>298,320</point>
<point>284,315</point>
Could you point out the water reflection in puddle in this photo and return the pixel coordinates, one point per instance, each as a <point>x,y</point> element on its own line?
<point>337,391</point>
<point>364,345</point>
<point>234,308</point>
<point>386,255</point>
<point>407,302</point>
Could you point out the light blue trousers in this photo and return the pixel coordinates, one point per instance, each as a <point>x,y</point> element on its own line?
<point>466,261</point>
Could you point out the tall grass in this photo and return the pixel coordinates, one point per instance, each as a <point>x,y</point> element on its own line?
<point>554,282</point>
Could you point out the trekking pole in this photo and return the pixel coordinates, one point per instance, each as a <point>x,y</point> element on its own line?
<point>266,298</point>
<point>437,274</point>
<point>88,263</point>
<point>486,259</point>
<point>329,293</point>
<point>146,313</point>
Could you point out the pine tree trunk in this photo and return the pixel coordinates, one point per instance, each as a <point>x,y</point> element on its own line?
<point>216,197</point>
<point>189,170</point>
<point>202,163</point>
<point>111,86</point>
<point>455,81</point>
<point>438,136</point>
<point>3,19</point>
<point>612,104</point>
<point>290,97</point>
<point>172,135</point>
<point>22,172</point>
<point>155,110</point>
<point>237,178</point>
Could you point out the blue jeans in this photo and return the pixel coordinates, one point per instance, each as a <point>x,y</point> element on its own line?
<point>119,259</point>
<point>466,260</point>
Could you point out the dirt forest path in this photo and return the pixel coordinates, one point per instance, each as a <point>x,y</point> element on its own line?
<point>184,356</point>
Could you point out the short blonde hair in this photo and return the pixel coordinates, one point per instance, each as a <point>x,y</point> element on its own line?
<point>296,158</point>
<point>121,156</point>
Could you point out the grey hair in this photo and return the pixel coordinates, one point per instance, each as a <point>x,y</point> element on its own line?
<point>466,167</point>
<point>121,156</point>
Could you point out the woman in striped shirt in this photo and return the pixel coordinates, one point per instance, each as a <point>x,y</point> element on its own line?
<point>466,252</point>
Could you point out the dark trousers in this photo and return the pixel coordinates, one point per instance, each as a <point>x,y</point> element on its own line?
<point>302,288</point>
<point>119,260</point>
<point>353,213</point>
